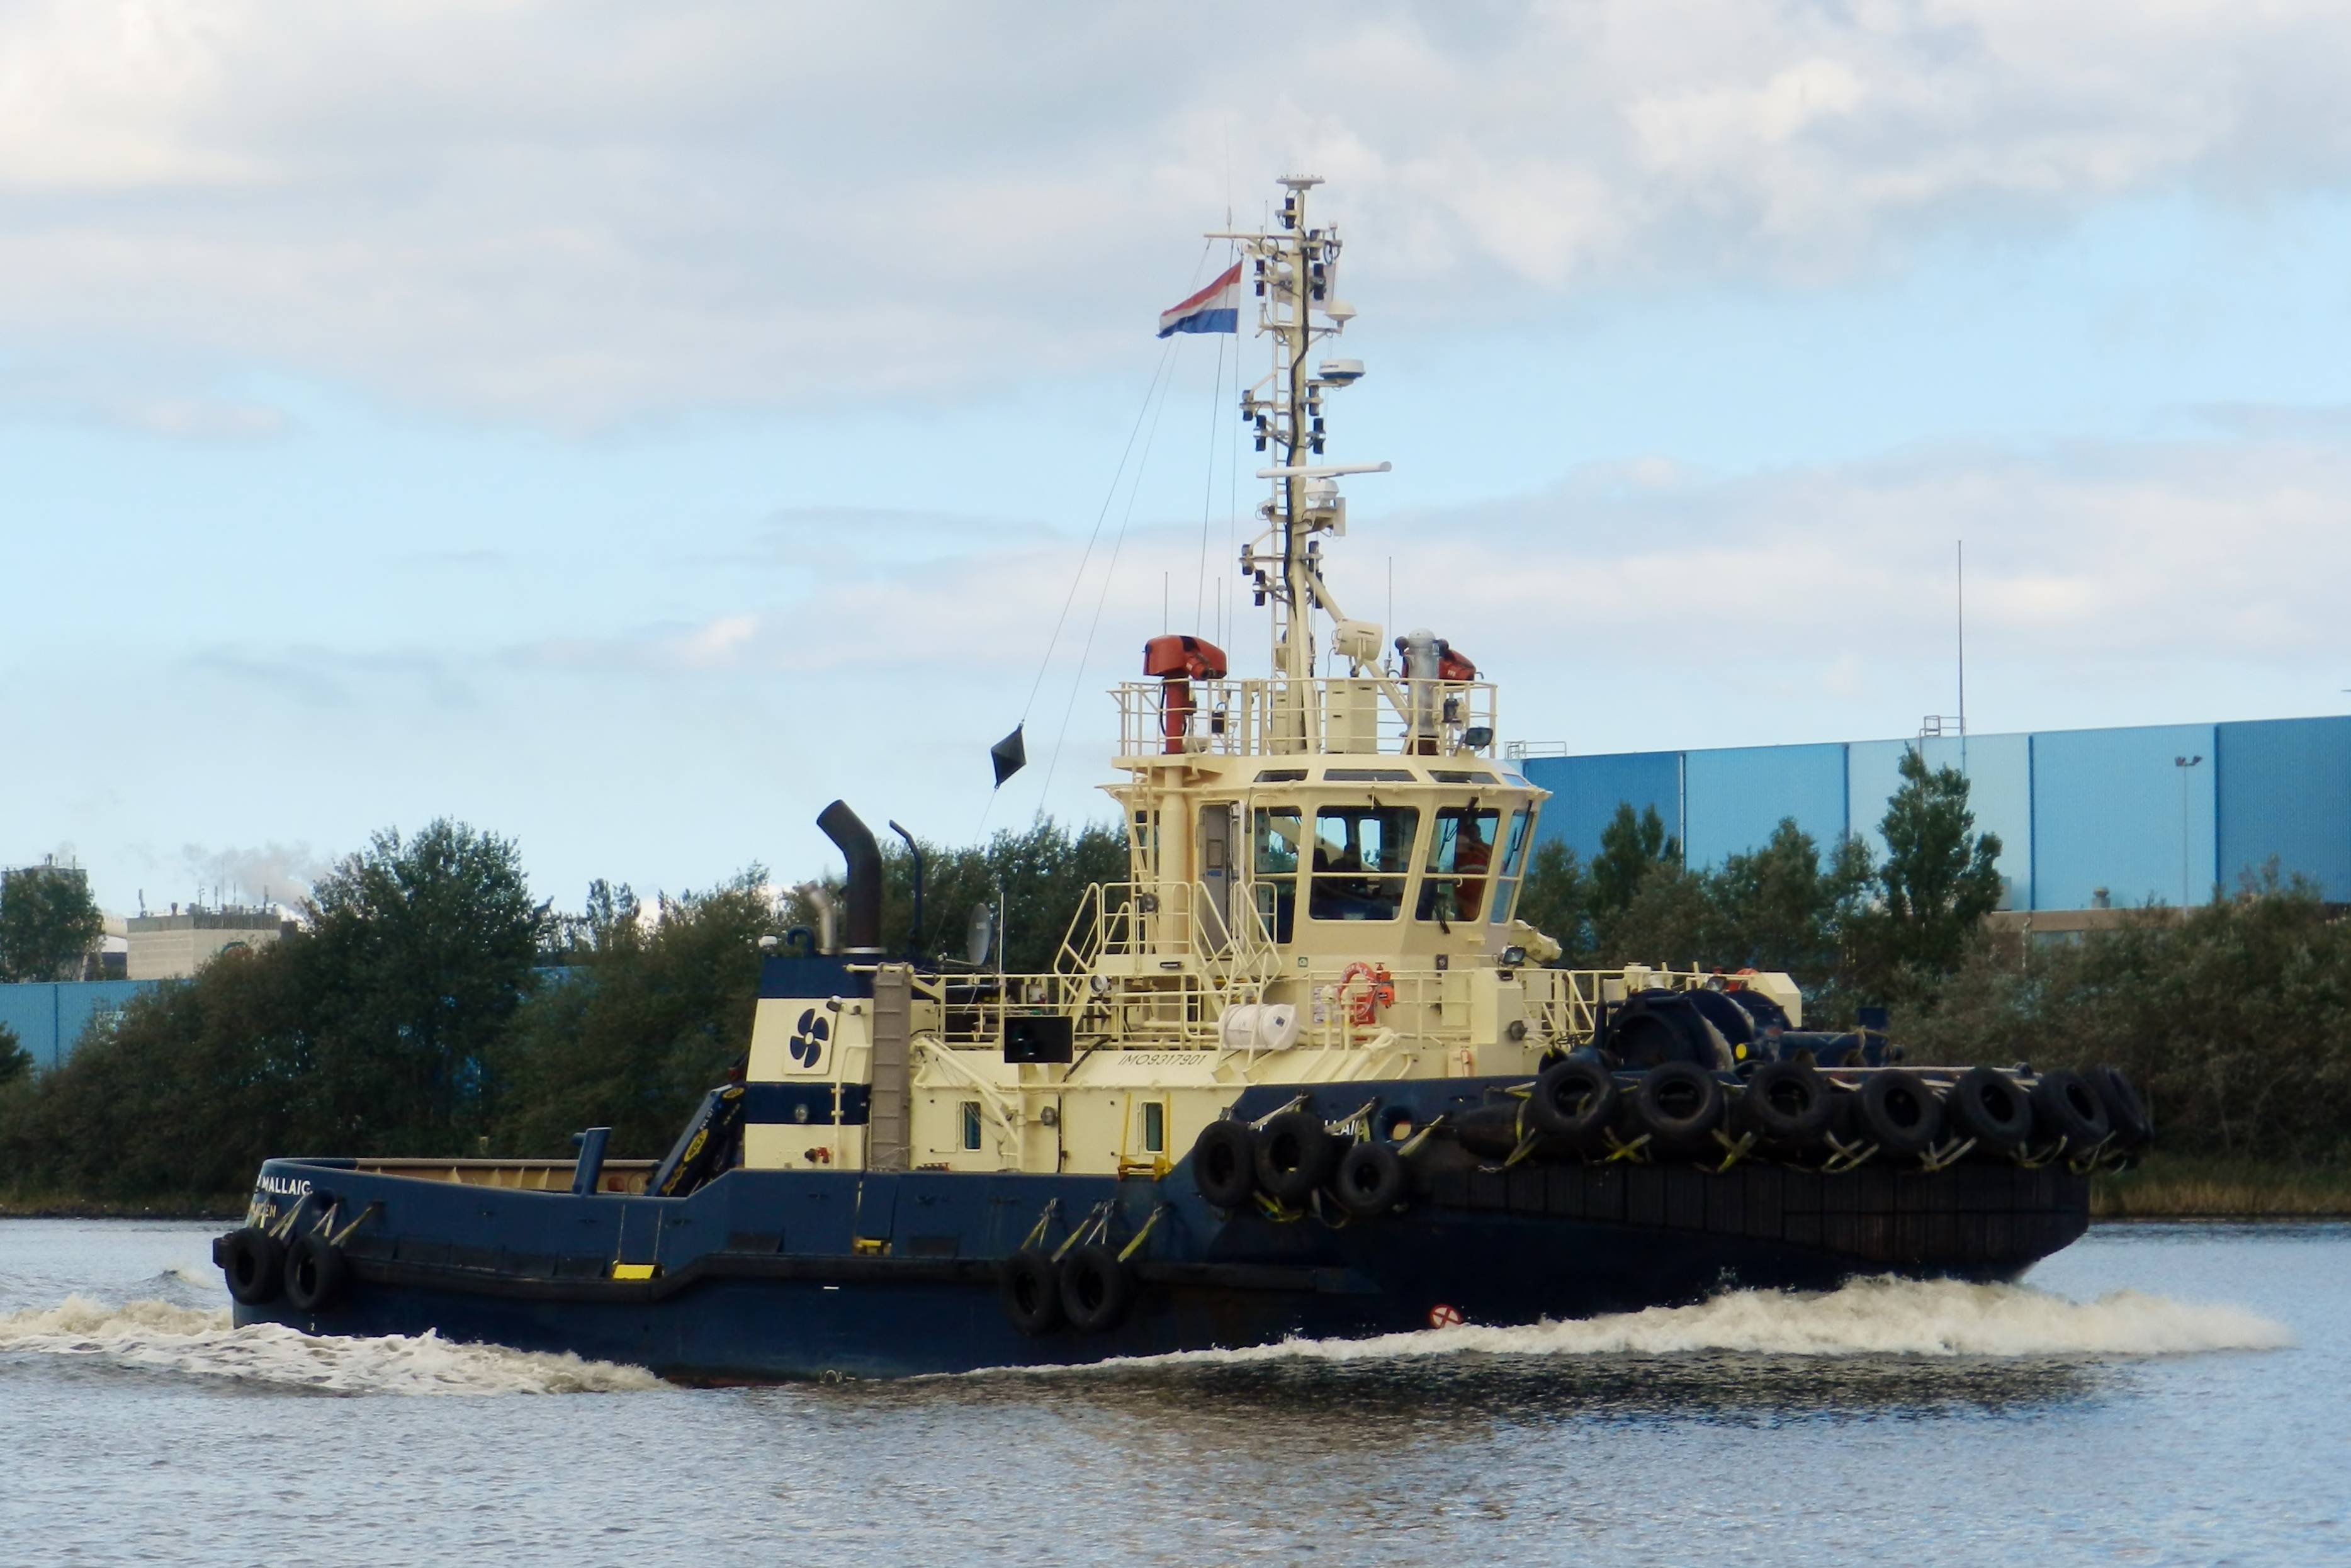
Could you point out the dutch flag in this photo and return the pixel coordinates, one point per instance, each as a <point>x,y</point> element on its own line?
<point>1216,309</point>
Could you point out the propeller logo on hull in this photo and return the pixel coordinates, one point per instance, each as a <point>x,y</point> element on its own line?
<point>807,1045</point>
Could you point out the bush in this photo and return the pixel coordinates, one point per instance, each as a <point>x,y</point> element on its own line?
<point>2235,1023</point>
<point>644,1018</point>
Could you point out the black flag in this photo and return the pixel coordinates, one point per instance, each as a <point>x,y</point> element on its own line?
<point>1010,754</point>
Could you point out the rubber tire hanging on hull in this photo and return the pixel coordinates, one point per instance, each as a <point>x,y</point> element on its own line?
<point>1787,1106</point>
<point>316,1274</point>
<point>1371,1180</point>
<point>1896,1110</point>
<point>1224,1163</point>
<point>1990,1107</point>
<point>1028,1286</point>
<point>255,1265</point>
<point>2134,1125</point>
<point>2064,1103</point>
<point>1679,1106</point>
<point>1573,1102</point>
<point>1096,1288</point>
<point>1294,1156</point>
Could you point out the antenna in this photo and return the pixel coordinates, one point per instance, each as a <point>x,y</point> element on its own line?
<point>1292,271</point>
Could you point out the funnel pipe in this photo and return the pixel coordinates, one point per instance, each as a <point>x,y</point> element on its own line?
<point>855,841</point>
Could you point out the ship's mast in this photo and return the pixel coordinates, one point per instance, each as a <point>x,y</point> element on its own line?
<point>1294,267</point>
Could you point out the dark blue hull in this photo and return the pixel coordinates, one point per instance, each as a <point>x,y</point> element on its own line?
<point>786,1274</point>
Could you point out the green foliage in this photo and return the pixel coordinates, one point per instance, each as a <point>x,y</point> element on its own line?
<point>365,1033</point>
<point>1849,931</point>
<point>1629,847</point>
<point>1775,908</point>
<point>48,923</point>
<point>1938,884</point>
<point>2235,1023</point>
<point>1670,919</point>
<point>1778,908</point>
<point>1044,873</point>
<point>15,1061</point>
<point>406,1016</point>
<point>646,1015</point>
<point>186,1090</point>
<point>1556,899</point>
<point>419,951</point>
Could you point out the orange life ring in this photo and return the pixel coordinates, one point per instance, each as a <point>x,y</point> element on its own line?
<point>1379,991</point>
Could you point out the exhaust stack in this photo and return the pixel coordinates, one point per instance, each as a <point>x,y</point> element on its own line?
<point>855,841</point>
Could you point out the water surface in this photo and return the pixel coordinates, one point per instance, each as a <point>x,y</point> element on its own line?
<point>2156,1395</point>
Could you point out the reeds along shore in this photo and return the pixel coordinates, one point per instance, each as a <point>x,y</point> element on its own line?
<point>2187,1187</point>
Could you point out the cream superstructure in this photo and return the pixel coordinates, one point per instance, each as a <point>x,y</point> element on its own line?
<point>1323,872</point>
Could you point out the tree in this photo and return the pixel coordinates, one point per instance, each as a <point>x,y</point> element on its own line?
<point>419,952</point>
<point>647,1016</point>
<point>1777,908</point>
<point>15,1061</point>
<point>2234,1020</point>
<point>1669,921</point>
<point>48,923</point>
<point>1939,880</point>
<point>1630,846</point>
<point>186,1090</point>
<point>1556,899</point>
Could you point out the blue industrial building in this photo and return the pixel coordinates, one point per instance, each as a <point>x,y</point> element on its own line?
<point>47,1017</point>
<point>2085,817</point>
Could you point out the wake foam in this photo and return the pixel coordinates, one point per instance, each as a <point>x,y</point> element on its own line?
<point>1877,1317</point>
<point>159,1336</point>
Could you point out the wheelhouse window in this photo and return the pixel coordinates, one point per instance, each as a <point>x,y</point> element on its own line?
<point>1275,837</point>
<point>1363,858</point>
<point>1460,860</point>
<point>1514,860</point>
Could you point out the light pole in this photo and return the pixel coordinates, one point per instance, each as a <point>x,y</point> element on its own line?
<point>2184,764</point>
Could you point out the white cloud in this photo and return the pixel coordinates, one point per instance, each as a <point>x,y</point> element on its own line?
<point>576,213</point>
<point>2106,582</point>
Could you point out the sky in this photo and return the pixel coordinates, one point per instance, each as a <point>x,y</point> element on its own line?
<point>626,428</point>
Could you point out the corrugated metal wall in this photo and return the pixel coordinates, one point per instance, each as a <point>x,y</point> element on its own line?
<point>1586,791</point>
<point>2075,810</point>
<point>2111,810</point>
<point>1734,799</point>
<point>48,1017</point>
<point>2285,791</point>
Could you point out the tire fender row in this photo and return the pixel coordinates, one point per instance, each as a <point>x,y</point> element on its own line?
<point>1085,1283</point>
<point>1579,1109</point>
<point>1288,1161</point>
<point>262,1261</point>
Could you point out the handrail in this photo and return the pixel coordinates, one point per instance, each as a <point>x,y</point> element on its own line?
<point>1332,716</point>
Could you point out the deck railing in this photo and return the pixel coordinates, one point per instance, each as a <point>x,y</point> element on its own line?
<point>1340,716</point>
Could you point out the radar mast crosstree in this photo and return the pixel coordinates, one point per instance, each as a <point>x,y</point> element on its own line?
<point>1294,267</point>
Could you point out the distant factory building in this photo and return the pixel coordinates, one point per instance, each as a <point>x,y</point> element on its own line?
<point>2088,819</point>
<point>174,947</point>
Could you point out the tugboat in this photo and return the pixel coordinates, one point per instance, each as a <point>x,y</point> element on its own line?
<point>1303,1074</point>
